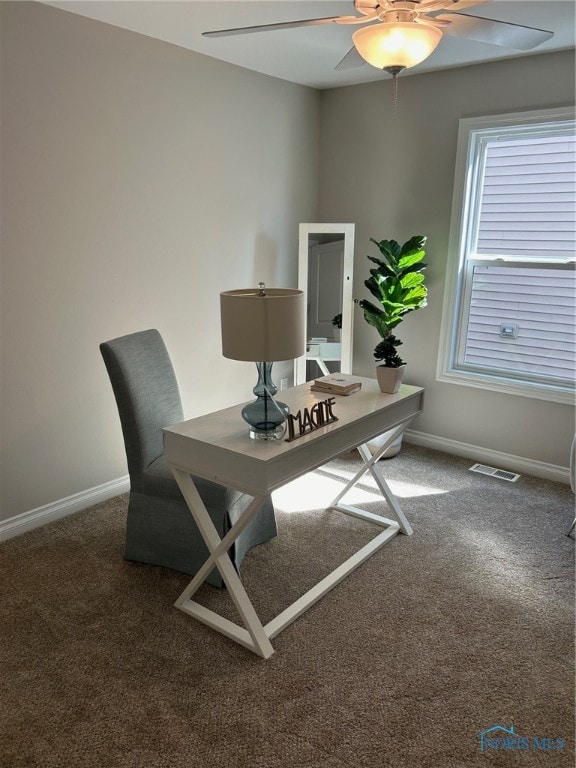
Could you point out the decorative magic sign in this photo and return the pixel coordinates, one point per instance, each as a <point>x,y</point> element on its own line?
<point>310,419</point>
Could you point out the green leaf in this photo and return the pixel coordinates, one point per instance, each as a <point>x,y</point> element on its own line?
<point>390,249</point>
<point>374,316</point>
<point>412,279</point>
<point>382,265</point>
<point>415,243</point>
<point>374,287</point>
<point>418,267</point>
<point>392,306</point>
<point>416,296</point>
<point>408,259</point>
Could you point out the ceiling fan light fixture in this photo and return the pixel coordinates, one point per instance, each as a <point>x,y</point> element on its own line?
<point>397,45</point>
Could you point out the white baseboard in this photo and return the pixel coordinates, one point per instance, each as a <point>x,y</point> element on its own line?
<point>35,518</point>
<point>492,458</point>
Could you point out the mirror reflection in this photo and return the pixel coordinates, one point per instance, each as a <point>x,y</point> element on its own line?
<point>326,253</point>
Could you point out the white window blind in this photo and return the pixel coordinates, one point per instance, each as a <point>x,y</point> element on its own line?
<point>528,202</point>
<point>521,321</point>
<point>509,320</point>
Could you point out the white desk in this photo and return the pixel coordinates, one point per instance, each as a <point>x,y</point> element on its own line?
<point>217,447</point>
<point>324,352</point>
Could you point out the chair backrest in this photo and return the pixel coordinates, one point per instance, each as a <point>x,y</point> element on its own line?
<point>146,393</point>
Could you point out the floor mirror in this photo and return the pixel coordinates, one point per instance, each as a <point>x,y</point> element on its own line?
<point>325,274</point>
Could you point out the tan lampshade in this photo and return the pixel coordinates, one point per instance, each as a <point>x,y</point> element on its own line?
<point>263,328</point>
<point>396,44</point>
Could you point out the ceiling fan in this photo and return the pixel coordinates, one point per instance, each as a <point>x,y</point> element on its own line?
<point>402,33</point>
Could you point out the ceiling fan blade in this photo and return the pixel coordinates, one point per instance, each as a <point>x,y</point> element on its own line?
<point>270,27</point>
<point>433,20</point>
<point>494,32</point>
<point>352,60</point>
<point>429,6</point>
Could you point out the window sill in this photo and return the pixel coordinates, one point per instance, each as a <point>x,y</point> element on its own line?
<point>548,392</point>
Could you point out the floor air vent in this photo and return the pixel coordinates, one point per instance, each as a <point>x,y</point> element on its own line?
<point>501,474</point>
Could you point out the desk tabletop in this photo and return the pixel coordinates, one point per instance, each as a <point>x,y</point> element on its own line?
<point>217,446</point>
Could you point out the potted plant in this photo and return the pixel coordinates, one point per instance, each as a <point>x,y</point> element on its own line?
<point>397,282</point>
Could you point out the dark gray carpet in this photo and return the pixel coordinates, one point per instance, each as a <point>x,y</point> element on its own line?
<point>465,625</point>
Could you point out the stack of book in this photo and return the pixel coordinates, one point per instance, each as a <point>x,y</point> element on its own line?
<point>336,384</point>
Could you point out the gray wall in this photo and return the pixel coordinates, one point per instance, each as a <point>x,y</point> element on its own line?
<point>394,178</point>
<point>138,181</point>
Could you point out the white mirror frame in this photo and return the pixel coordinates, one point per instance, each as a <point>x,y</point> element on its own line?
<point>347,230</point>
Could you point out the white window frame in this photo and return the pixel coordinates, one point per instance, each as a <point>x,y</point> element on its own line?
<point>462,231</point>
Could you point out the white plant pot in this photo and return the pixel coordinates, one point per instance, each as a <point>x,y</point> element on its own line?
<point>389,379</point>
<point>392,449</point>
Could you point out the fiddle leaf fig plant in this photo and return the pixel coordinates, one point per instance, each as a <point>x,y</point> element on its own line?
<point>397,282</point>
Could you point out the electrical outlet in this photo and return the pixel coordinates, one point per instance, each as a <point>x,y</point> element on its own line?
<point>284,383</point>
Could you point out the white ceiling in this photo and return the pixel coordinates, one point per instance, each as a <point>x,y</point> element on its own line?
<point>308,55</point>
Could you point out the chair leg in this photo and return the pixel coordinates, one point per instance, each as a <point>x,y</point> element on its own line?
<point>571,527</point>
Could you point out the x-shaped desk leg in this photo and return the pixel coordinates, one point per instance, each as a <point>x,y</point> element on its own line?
<point>370,465</point>
<point>255,636</point>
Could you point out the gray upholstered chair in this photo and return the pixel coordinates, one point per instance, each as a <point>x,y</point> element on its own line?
<point>160,528</point>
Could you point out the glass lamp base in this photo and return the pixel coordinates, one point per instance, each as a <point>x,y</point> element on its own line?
<point>265,416</point>
<point>268,434</point>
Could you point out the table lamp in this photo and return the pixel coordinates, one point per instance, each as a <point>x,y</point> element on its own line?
<point>263,325</point>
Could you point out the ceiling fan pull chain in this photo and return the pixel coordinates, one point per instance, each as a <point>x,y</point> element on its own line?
<point>394,71</point>
<point>395,92</point>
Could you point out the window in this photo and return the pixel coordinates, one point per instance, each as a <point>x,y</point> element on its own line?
<point>509,319</point>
